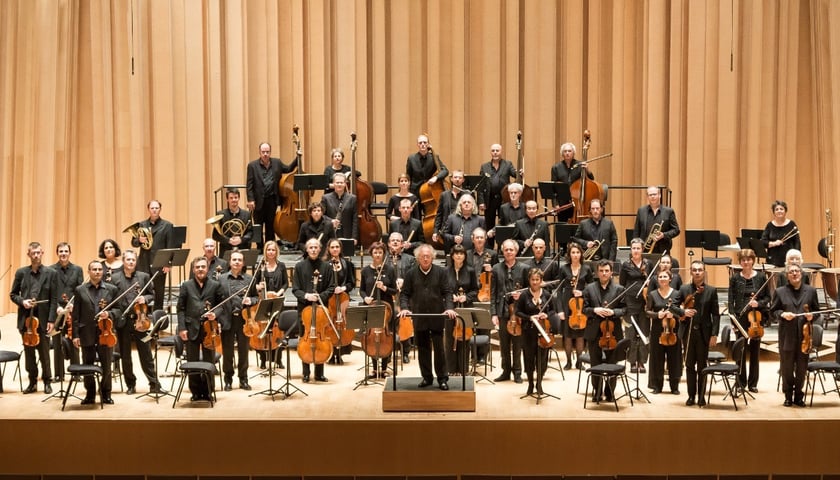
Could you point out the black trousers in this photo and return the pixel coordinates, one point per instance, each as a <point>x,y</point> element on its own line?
<point>749,376</point>
<point>265,216</point>
<point>491,213</point>
<point>43,349</point>
<point>106,359</point>
<point>125,337</point>
<point>427,340</point>
<point>660,355</point>
<point>235,334</point>
<point>532,354</point>
<point>793,367</point>
<point>696,359</point>
<point>511,349</point>
<point>598,356</point>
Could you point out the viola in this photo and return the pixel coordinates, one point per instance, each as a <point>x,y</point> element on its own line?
<point>31,338</point>
<point>668,337</point>
<point>142,323</point>
<point>106,328</point>
<point>314,345</point>
<point>577,320</point>
<point>212,339</point>
<point>607,340</point>
<point>807,331</point>
<point>514,324</point>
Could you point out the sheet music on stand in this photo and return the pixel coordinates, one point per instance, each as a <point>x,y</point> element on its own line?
<point>477,317</point>
<point>360,318</point>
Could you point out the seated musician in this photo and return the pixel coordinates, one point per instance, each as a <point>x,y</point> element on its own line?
<point>534,302</point>
<point>448,204</point>
<point>230,240</point>
<point>231,320</point>
<point>511,211</point>
<point>567,171</point>
<point>600,306</point>
<point>529,229</point>
<point>318,226</point>
<point>379,281</point>
<point>410,227</point>
<point>392,212</point>
<point>595,229</point>
<point>460,225</point>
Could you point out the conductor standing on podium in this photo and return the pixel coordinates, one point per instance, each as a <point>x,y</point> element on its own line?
<point>427,290</point>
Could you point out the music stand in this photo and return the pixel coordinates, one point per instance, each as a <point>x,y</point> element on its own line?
<point>310,181</point>
<point>504,232</point>
<point>694,239</point>
<point>249,257</point>
<point>473,182</point>
<point>558,192</point>
<point>639,394</point>
<point>153,334</point>
<point>563,233</point>
<point>348,247</point>
<point>169,257</point>
<point>481,319</point>
<point>357,318</point>
<point>268,311</point>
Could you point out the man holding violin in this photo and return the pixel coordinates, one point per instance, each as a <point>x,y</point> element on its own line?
<point>603,319</point>
<point>32,291</point>
<point>88,311</point>
<point>698,329</point>
<point>231,321</point>
<point>68,276</point>
<point>130,307</point>
<point>508,278</point>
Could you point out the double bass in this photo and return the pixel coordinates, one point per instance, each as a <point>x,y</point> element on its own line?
<point>290,207</point>
<point>369,228</point>
<point>430,199</point>
<point>583,189</point>
<point>527,191</point>
<point>314,345</point>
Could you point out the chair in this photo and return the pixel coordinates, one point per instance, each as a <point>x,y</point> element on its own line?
<point>583,359</point>
<point>379,188</point>
<point>817,369</point>
<point>7,356</point>
<point>711,242</point>
<point>725,337</point>
<point>77,373</point>
<point>610,371</point>
<point>116,367</point>
<point>205,370</point>
<point>726,371</point>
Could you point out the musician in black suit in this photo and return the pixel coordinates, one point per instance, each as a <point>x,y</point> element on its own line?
<point>567,170</point>
<point>32,291</point>
<point>262,190</point>
<point>216,265</point>
<point>530,228</point>
<point>424,166</point>
<point>600,305</point>
<point>698,330</point>
<point>163,236</point>
<point>496,175</point>
<point>656,214</point>
<point>448,204</point>
<point>88,310</point>
<point>306,272</point>
<point>513,210</point>
<point>130,279</point>
<point>228,240</point>
<point>426,290</point>
<point>596,228</point>
<point>788,306</point>
<point>237,285</point>
<point>401,262</point>
<point>196,298</point>
<point>508,277</point>
<point>68,276</point>
<point>460,225</point>
<point>340,206</point>
<point>409,227</point>
<point>318,226</point>
<point>480,255</point>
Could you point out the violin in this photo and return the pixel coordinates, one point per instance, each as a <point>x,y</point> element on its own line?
<point>755,330</point>
<point>249,313</point>
<point>484,280</point>
<point>314,346</point>
<point>607,340</point>
<point>668,337</point>
<point>514,325</point>
<point>807,331</point>
<point>459,333</point>
<point>577,320</point>
<point>690,300</point>
<point>378,341</point>
<point>142,323</point>
<point>405,329</point>
<point>212,339</point>
<point>31,338</point>
<point>337,306</point>
<point>106,328</point>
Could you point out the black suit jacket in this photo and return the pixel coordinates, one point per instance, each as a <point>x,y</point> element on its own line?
<point>86,308</point>
<point>192,304</point>
<point>345,211</point>
<point>163,236</point>
<point>595,296</point>
<point>421,168</point>
<point>645,219</point>
<point>427,293</point>
<point>23,287</point>
<point>254,188</point>
<point>499,301</point>
<point>707,318</point>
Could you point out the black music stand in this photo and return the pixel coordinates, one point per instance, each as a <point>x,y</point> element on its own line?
<point>540,394</point>
<point>480,319</point>
<point>563,233</point>
<point>504,232</point>
<point>348,247</point>
<point>755,244</point>
<point>472,183</point>
<point>169,257</point>
<point>249,257</point>
<point>162,323</point>
<point>558,192</point>
<point>639,394</point>
<point>310,181</point>
<point>268,311</point>
<point>358,318</point>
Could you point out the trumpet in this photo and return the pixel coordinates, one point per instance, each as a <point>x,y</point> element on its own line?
<point>650,241</point>
<point>137,231</point>
<point>592,251</point>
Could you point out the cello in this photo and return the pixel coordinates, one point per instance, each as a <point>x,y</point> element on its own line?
<point>314,346</point>
<point>369,228</point>
<point>527,191</point>
<point>378,341</point>
<point>583,189</point>
<point>430,199</point>
<point>290,210</point>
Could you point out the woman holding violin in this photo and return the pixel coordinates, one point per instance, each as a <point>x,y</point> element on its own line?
<point>603,304</point>
<point>698,329</point>
<point>749,299</point>
<point>663,308</point>
<point>343,274</point>
<point>633,274</point>
<point>567,170</point>
<point>574,276</point>
<point>272,281</point>
<point>534,304</point>
<point>465,291</point>
<point>312,285</point>
<point>393,211</point>
<point>379,284</point>
<point>109,252</point>
<point>780,234</point>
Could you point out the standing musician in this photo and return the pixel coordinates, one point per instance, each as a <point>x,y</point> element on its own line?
<point>379,279</point>
<point>343,274</point>
<point>336,166</point>
<point>742,292</point>
<point>392,212</point>
<point>460,225</point>
<point>513,210</point>
<point>595,229</point>
<point>780,234</point>
<point>600,305</point>
<point>663,308</point>
<point>465,292</point>
<point>272,282</point>
<point>551,271</point>
<point>666,265</point>
<point>791,299</point>
<point>633,274</point>
<point>231,321</point>
<point>91,297</point>
<point>482,259</point>
<point>317,226</point>
<point>195,299</point>
<point>111,255</point>
<point>496,175</point>
<point>302,283</point>
<point>793,257</point>
<point>163,236</point>
<point>508,277</point>
<point>698,330</point>
<point>529,304</point>
<point>231,240</point>
<point>408,226</point>
<point>576,275</point>
<point>33,291</point>
<point>421,166</point>
<point>130,279</point>
<point>262,190</point>
<point>427,290</point>
<point>68,276</point>
<point>530,228</point>
<point>654,213</point>
<point>216,265</point>
<point>567,171</point>
<point>340,206</point>
<point>401,262</point>
<point>448,204</point>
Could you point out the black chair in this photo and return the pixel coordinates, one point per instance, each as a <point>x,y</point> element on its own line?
<point>725,337</point>
<point>727,371</point>
<point>817,369</point>
<point>7,356</point>
<point>205,370</point>
<point>712,239</point>
<point>379,188</point>
<point>609,371</point>
<point>78,372</point>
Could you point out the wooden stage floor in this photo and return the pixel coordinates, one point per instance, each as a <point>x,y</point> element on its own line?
<point>336,430</point>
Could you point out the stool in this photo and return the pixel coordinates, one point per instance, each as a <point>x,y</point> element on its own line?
<point>205,369</point>
<point>77,373</point>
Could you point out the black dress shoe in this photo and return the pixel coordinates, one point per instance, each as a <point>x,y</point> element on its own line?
<point>130,391</point>
<point>32,388</point>
<point>675,391</point>
<point>799,403</point>
<point>504,377</point>
<point>157,389</point>
<point>58,378</point>
<point>320,378</point>
<point>244,385</point>
<point>517,378</point>
<point>306,379</point>
<point>701,402</point>
<point>406,359</point>
<point>689,402</point>
<point>195,398</point>
<point>753,389</point>
<point>88,401</point>
<point>444,386</point>
<point>657,391</point>
<point>47,388</point>
<point>227,387</point>
<point>642,369</point>
<point>787,403</point>
<point>424,383</point>
<point>280,365</point>
<point>568,366</point>
<point>108,400</point>
<point>530,390</point>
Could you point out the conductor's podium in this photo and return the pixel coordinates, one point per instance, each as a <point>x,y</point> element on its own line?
<point>408,397</point>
